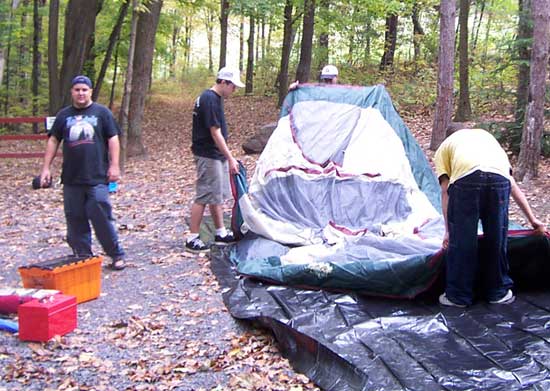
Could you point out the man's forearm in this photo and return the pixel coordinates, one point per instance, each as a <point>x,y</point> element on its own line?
<point>114,151</point>
<point>51,149</point>
<point>220,143</point>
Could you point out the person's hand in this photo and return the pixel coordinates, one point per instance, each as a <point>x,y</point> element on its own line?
<point>45,177</point>
<point>445,244</point>
<point>113,173</point>
<point>294,85</point>
<point>538,227</point>
<point>233,166</point>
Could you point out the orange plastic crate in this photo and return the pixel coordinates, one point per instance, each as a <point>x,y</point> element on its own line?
<point>80,277</point>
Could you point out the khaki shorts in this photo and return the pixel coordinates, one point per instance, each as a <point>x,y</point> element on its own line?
<point>212,185</point>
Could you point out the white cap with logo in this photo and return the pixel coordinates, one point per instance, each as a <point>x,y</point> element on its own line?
<point>231,75</point>
<point>329,72</point>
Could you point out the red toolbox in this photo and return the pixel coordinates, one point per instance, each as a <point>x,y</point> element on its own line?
<point>40,320</point>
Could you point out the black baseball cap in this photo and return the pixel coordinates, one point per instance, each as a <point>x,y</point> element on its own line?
<point>81,79</point>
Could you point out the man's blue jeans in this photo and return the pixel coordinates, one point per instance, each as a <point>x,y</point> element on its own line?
<point>90,203</point>
<point>479,196</point>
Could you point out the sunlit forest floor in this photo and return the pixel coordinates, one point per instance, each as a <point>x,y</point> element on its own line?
<point>160,324</point>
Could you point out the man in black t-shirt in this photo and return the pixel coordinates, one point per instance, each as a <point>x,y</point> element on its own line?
<point>91,150</point>
<point>213,159</point>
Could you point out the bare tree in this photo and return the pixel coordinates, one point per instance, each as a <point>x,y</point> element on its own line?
<point>533,125</point>
<point>306,47</point>
<point>323,53</point>
<point>464,108</point>
<point>143,64</point>
<point>224,17</point>
<point>418,31</point>
<point>523,46</point>
<point>249,83</point>
<point>79,27</point>
<point>444,103</point>
<point>53,62</point>
<point>125,106</point>
<point>36,57</point>
<point>288,34</point>
<point>113,39</point>
<point>390,41</point>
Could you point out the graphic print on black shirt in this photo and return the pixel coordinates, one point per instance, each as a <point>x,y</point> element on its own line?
<point>85,134</point>
<point>81,130</point>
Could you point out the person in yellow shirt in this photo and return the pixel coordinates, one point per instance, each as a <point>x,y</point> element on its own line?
<point>476,182</point>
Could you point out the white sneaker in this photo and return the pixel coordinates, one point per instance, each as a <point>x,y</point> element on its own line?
<point>445,301</point>
<point>508,298</point>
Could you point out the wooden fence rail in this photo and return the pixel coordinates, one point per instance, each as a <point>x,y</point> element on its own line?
<point>14,137</point>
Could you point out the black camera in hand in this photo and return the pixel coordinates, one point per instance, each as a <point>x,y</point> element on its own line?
<point>37,183</point>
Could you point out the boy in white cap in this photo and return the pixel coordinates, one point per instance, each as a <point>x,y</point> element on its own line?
<point>329,75</point>
<point>213,159</point>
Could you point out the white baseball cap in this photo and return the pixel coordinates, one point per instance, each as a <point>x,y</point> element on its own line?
<point>231,75</point>
<point>329,72</point>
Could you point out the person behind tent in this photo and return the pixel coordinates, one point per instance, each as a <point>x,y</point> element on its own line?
<point>91,150</point>
<point>329,75</point>
<point>213,159</point>
<point>476,183</point>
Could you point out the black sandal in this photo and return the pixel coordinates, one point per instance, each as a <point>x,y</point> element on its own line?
<point>117,264</point>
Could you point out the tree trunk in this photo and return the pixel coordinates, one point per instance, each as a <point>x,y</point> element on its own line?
<point>114,80</point>
<point>36,57</point>
<point>323,53</point>
<point>390,41</point>
<point>53,65</point>
<point>125,106</point>
<point>263,38</point>
<point>282,79</point>
<point>224,17</point>
<point>476,31</point>
<point>249,84</point>
<point>113,40</point>
<point>464,109</point>
<point>24,56</point>
<point>241,45</point>
<point>418,32</point>
<point>444,103</point>
<point>8,58</point>
<point>79,28</point>
<point>143,63</point>
<point>523,42</point>
<point>174,52</point>
<point>529,155</point>
<point>209,24</point>
<point>306,47</point>
<point>187,41</point>
<point>3,48</point>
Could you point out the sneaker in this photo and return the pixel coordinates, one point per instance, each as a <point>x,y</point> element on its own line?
<point>508,298</point>
<point>196,246</point>
<point>445,301</point>
<point>222,240</point>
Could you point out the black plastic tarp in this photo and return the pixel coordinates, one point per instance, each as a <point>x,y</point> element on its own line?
<point>346,341</point>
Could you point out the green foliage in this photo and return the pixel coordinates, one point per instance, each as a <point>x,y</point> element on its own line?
<point>508,134</point>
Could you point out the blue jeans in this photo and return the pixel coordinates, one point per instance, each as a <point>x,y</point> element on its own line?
<point>90,203</point>
<point>479,196</point>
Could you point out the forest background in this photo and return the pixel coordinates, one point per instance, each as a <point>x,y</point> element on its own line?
<point>459,60</point>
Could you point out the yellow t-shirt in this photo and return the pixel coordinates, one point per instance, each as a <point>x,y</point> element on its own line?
<point>469,150</point>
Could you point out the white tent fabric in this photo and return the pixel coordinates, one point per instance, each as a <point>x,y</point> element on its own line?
<point>334,174</point>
